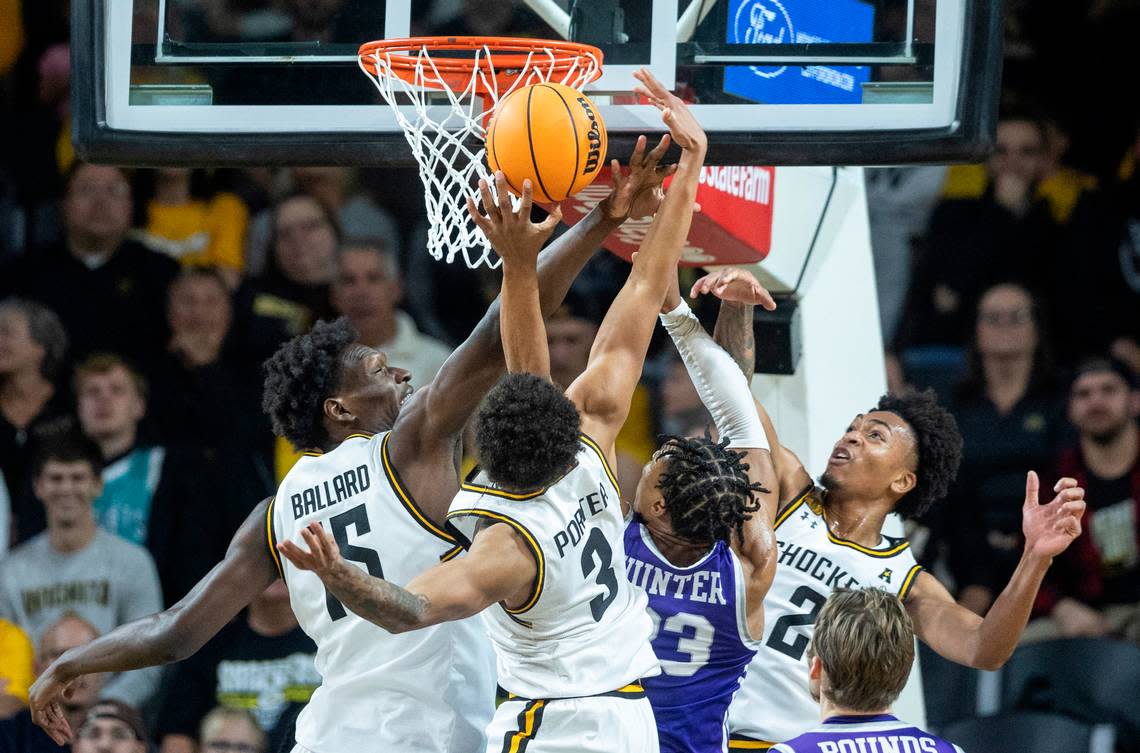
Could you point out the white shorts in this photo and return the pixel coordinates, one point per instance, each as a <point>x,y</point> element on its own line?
<point>596,724</point>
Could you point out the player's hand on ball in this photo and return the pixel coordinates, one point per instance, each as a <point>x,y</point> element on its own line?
<point>734,284</point>
<point>686,131</point>
<point>512,234</point>
<point>323,555</point>
<point>1049,529</point>
<point>640,193</point>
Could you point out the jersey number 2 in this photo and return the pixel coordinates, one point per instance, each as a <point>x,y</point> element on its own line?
<point>596,544</point>
<point>357,517</point>
<point>779,637</point>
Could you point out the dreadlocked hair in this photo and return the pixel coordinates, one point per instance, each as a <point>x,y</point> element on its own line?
<point>939,447</point>
<point>706,489</point>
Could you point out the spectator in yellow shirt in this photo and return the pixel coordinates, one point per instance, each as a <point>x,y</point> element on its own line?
<point>181,216</point>
<point>16,663</point>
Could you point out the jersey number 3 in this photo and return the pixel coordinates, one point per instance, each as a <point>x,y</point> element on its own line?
<point>596,545</point>
<point>778,640</point>
<point>357,517</point>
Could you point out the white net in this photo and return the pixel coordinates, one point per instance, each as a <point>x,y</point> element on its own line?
<point>447,138</point>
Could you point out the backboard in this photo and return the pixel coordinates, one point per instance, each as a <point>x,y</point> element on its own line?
<point>232,82</point>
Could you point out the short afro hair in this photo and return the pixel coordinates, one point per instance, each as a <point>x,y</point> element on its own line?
<point>300,376</point>
<point>706,489</point>
<point>527,432</point>
<point>939,447</point>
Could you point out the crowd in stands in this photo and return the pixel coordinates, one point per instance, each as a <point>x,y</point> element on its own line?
<point>136,307</point>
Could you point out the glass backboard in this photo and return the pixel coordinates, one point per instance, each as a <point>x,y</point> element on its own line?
<point>229,82</point>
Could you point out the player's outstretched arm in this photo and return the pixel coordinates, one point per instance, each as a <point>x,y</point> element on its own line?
<point>167,636</point>
<point>603,391</point>
<point>517,240</point>
<point>724,391</point>
<point>497,567</point>
<point>987,643</point>
<point>734,332</point>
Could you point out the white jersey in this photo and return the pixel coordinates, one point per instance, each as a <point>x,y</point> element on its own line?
<point>424,690</point>
<point>774,703</point>
<point>584,630</point>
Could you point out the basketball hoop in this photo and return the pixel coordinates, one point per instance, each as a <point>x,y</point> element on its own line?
<point>447,138</point>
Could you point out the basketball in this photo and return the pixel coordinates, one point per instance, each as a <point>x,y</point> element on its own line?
<point>551,134</point>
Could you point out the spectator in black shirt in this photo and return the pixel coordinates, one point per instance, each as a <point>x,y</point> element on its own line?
<point>108,291</point>
<point>1010,419</point>
<point>1093,589</point>
<point>33,405</point>
<point>262,660</point>
<point>294,291</point>
<point>971,244</point>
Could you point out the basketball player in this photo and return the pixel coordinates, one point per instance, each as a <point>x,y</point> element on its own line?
<point>899,457</point>
<point>702,546</point>
<point>380,473</point>
<point>860,658</point>
<point>544,522</point>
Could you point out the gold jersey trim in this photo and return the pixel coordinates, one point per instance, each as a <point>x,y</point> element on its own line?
<point>531,541</point>
<point>406,498</point>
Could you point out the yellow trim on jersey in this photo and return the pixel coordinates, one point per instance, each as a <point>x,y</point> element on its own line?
<point>744,743</point>
<point>909,581</point>
<point>870,552</point>
<point>318,453</point>
<point>529,720</point>
<point>633,690</point>
<point>601,456</point>
<point>536,550</point>
<point>405,498</point>
<point>450,554</point>
<point>787,513</point>
<point>516,496</point>
<point>271,537</point>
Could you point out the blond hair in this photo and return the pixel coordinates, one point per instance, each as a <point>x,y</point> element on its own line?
<point>865,641</point>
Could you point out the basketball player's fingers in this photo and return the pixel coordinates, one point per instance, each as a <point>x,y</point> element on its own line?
<point>1032,486</point>
<point>477,216</point>
<point>502,193</point>
<point>294,554</point>
<point>1065,483</point>
<point>523,212</point>
<point>490,206</point>
<point>658,151</point>
<point>637,159</point>
<point>547,226</point>
<point>652,84</point>
<point>696,207</point>
<point>616,176</point>
<point>317,550</point>
<point>644,93</point>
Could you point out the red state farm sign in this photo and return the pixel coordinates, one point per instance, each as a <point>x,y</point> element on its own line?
<point>734,225</point>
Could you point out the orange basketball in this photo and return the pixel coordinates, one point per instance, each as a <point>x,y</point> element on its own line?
<point>549,133</point>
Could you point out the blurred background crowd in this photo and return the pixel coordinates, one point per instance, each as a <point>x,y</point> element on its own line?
<point>137,305</point>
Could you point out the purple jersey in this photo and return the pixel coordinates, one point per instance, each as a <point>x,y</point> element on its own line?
<point>700,636</point>
<point>875,733</point>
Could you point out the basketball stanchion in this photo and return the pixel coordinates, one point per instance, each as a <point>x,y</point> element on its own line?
<point>474,75</point>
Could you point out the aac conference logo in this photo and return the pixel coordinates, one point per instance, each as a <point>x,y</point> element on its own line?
<point>763,22</point>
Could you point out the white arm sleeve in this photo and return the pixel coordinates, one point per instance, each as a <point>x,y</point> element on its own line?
<point>719,381</point>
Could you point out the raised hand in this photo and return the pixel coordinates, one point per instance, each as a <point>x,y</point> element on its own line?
<point>734,284</point>
<point>639,193</point>
<point>686,131</point>
<point>1049,529</point>
<point>511,232</point>
<point>323,556</point>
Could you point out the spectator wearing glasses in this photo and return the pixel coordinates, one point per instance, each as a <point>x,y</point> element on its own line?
<point>228,730</point>
<point>293,292</point>
<point>109,291</point>
<point>111,727</point>
<point>1006,234</point>
<point>1010,419</point>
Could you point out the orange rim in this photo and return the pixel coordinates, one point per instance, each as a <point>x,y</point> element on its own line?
<point>507,59</point>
